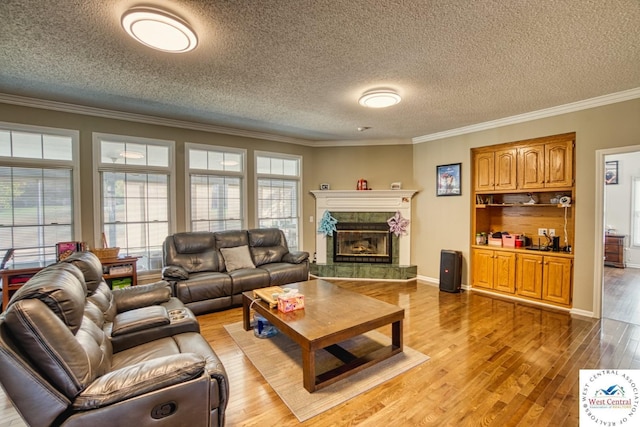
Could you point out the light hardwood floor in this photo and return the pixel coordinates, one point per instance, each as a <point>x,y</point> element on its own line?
<point>494,362</point>
<point>621,299</point>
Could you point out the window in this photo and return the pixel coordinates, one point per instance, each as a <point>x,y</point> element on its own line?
<point>216,189</point>
<point>635,211</point>
<point>39,203</point>
<point>278,192</point>
<point>135,178</point>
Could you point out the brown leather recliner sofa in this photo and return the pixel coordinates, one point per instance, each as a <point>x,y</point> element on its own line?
<point>136,314</point>
<point>59,366</point>
<point>210,270</point>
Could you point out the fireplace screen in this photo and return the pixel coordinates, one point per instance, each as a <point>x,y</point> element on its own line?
<point>362,242</point>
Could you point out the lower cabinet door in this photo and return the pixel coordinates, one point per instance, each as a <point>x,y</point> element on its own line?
<point>556,286</point>
<point>529,275</point>
<point>483,268</point>
<point>504,272</point>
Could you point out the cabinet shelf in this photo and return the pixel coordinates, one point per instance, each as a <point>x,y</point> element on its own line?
<point>524,205</point>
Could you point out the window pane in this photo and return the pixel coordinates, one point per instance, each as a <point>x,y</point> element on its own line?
<point>136,209</point>
<point>158,155</point>
<point>57,147</point>
<point>27,145</point>
<point>57,197</point>
<point>134,154</point>
<point>635,220</point>
<point>233,162</point>
<point>290,167</point>
<point>216,197</point>
<point>197,159</point>
<point>278,198</point>
<point>263,165</point>
<point>110,152</point>
<point>6,197</point>
<point>5,144</point>
<point>36,212</point>
<point>215,160</point>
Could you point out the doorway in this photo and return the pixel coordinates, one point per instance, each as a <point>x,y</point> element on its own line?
<point>620,287</point>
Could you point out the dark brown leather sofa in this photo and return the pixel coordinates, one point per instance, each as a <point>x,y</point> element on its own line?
<point>134,315</point>
<point>59,366</point>
<point>208,276</point>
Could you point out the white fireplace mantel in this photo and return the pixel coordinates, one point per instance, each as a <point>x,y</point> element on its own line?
<point>364,201</point>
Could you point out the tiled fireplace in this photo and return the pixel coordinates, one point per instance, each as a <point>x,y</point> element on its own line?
<point>369,250</point>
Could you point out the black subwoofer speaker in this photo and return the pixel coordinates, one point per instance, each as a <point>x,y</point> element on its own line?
<point>450,270</point>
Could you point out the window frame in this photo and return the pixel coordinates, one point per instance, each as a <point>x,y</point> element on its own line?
<point>188,171</point>
<point>73,165</point>
<point>99,167</point>
<point>635,213</point>
<point>298,178</point>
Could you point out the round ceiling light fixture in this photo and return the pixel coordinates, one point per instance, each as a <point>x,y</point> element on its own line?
<point>379,98</point>
<point>159,30</point>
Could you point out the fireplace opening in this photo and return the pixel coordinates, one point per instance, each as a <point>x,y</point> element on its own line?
<point>362,242</point>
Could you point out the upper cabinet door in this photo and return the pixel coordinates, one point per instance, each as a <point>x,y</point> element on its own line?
<point>558,164</point>
<point>484,168</point>
<point>531,167</point>
<point>505,172</point>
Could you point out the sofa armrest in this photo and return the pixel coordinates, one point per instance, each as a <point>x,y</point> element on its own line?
<point>174,272</point>
<point>295,257</point>
<point>139,319</point>
<point>140,378</point>
<point>142,296</point>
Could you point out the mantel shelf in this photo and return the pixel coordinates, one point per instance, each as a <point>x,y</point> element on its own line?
<point>363,193</point>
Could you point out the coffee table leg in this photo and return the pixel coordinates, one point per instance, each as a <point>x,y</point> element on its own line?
<point>246,323</point>
<point>396,334</point>
<point>309,369</point>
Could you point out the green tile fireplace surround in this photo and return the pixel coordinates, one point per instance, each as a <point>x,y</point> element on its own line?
<point>392,271</point>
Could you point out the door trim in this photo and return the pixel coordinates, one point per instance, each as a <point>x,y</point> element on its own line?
<point>598,256</point>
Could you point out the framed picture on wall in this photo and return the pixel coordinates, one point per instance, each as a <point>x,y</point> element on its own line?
<point>448,180</point>
<point>611,172</point>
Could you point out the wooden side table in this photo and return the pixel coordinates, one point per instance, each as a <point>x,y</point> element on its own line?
<point>120,268</point>
<point>614,250</point>
<point>13,279</point>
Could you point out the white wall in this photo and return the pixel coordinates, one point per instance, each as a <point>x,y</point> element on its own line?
<point>617,213</point>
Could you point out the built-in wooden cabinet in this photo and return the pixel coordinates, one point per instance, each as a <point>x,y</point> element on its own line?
<point>556,280</point>
<point>494,270</point>
<point>517,189</point>
<point>547,165</point>
<point>496,170</point>
<point>529,275</point>
<point>544,277</point>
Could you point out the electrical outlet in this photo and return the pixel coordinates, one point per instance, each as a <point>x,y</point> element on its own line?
<point>552,232</point>
<point>542,231</point>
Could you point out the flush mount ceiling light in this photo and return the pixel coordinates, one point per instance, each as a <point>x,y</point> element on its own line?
<point>379,98</point>
<point>159,29</point>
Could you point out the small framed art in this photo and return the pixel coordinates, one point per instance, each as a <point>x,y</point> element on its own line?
<point>448,180</point>
<point>611,172</point>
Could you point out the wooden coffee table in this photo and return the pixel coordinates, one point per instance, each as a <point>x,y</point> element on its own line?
<point>331,315</point>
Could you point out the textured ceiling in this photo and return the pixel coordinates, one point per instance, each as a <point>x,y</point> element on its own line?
<point>296,68</point>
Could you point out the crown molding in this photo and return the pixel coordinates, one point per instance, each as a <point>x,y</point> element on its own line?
<point>143,118</point>
<point>183,124</point>
<point>598,101</point>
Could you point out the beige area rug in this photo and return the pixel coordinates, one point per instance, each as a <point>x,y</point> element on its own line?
<point>281,352</point>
